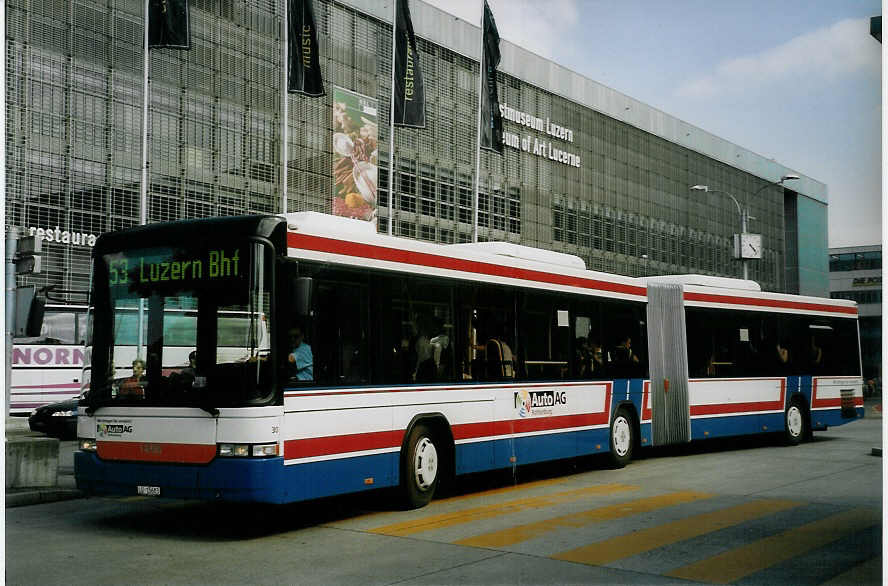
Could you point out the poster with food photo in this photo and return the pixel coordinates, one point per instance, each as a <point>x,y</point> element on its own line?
<point>355,155</point>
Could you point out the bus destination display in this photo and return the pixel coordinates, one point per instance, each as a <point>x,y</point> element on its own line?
<point>167,266</point>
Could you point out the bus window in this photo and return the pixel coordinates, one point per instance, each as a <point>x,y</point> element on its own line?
<point>545,335</point>
<point>338,338</point>
<point>416,331</point>
<point>59,328</point>
<point>589,359</point>
<point>624,340</point>
<point>82,328</point>
<point>487,347</point>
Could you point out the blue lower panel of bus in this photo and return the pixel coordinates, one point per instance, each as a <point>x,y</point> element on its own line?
<point>503,453</point>
<point>710,427</point>
<point>832,417</point>
<point>266,480</point>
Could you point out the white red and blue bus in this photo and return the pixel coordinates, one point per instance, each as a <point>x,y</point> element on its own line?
<point>47,368</point>
<point>429,361</point>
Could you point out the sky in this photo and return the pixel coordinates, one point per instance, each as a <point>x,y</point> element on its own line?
<point>797,81</point>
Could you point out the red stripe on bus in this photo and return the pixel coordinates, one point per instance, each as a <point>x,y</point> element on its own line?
<point>372,251</point>
<point>497,428</point>
<point>775,303</point>
<point>379,440</point>
<point>858,402</point>
<point>727,408</point>
<point>156,452</point>
<point>338,444</point>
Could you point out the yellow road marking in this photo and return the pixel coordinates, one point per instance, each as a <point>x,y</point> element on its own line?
<point>495,510</point>
<point>524,532</point>
<point>469,496</point>
<point>735,564</point>
<point>637,542</point>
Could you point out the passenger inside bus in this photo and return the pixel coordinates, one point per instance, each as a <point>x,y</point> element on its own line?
<point>782,357</point>
<point>424,368</point>
<point>134,386</point>
<point>300,360</point>
<point>441,351</point>
<point>498,354</point>
<point>597,363</point>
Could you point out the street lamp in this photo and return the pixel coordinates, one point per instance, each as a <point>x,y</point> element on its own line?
<point>744,214</point>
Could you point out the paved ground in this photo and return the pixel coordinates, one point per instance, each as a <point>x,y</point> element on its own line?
<point>743,511</point>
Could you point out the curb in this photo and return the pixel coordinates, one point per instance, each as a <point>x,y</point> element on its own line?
<point>40,496</point>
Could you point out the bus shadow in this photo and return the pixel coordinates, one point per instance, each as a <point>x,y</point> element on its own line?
<point>726,444</point>
<point>219,522</point>
<point>203,521</point>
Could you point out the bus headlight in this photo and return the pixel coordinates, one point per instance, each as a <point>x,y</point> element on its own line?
<point>234,450</point>
<point>87,444</point>
<point>248,450</point>
<point>265,450</point>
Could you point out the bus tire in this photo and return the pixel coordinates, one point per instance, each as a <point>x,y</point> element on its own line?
<point>795,425</point>
<point>420,467</point>
<point>622,438</point>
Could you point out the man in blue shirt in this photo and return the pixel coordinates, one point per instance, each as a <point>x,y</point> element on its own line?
<point>300,358</point>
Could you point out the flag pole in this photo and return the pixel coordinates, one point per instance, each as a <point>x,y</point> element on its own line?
<point>391,198</point>
<point>146,63</point>
<point>478,138</point>
<point>285,110</point>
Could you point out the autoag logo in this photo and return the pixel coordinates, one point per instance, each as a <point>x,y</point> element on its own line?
<point>113,429</point>
<point>529,403</point>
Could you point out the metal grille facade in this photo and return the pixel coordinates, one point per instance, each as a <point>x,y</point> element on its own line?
<point>74,96</point>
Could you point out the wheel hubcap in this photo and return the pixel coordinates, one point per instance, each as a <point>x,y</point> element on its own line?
<point>425,463</point>
<point>622,436</point>
<point>794,421</point>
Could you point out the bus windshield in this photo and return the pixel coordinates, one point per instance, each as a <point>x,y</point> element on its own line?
<point>183,327</point>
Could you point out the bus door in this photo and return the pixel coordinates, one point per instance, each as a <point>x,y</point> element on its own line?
<point>667,352</point>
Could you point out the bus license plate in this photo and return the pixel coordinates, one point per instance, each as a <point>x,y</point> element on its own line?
<point>148,490</point>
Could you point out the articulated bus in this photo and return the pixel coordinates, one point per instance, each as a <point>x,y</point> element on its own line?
<point>398,363</point>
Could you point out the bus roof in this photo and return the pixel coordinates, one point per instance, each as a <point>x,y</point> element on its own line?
<point>334,239</point>
<point>330,238</point>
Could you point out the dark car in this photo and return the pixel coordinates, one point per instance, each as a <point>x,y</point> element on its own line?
<point>56,419</point>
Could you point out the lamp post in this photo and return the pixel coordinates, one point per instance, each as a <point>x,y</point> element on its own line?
<point>744,214</point>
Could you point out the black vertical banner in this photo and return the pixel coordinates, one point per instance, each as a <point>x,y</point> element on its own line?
<point>168,25</point>
<point>491,119</point>
<point>304,67</point>
<point>409,89</point>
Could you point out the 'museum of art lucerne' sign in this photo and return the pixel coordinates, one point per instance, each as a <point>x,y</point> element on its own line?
<point>540,147</point>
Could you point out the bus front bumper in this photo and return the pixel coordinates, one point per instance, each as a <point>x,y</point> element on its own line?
<point>223,479</point>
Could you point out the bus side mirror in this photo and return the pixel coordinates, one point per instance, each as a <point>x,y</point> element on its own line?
<point>302,287</point>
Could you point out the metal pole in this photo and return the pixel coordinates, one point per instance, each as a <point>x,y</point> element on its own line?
<point>285,106</point>
<point>11,246</point>
<point>143,190</point>
<point>745,262</point>
<point>392,124</point>
<point>8,368</point>
<point>478,137</point>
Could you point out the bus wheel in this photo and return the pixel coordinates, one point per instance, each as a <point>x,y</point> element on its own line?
<point>622,438</point>
<point>421,467</point>
<point>796,428</point>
